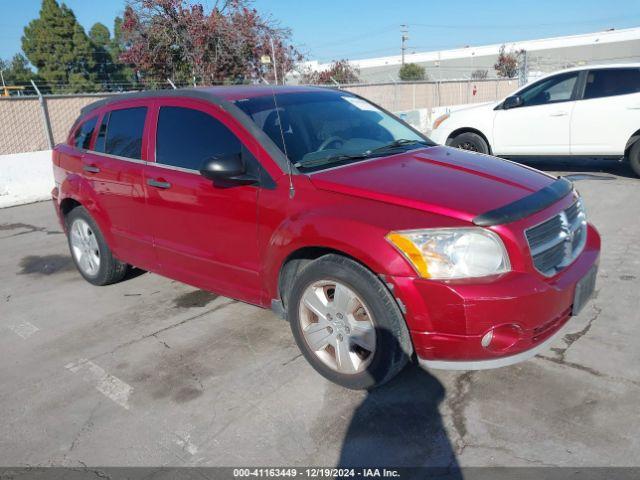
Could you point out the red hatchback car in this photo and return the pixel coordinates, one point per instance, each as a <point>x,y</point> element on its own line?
<point>375,243</point>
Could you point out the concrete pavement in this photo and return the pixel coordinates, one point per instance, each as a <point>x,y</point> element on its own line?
<point>154,372</point>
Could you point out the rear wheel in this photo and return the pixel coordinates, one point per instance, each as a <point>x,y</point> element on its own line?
<point>347,324</point>
<point>470,141</point>
<point>634,158</point>
<point>90,252</point>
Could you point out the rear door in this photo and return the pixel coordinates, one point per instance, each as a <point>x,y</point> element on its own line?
<point>608,113</point>
<point>205,234</point>
<point>541,125</point>
<point>114,169</point>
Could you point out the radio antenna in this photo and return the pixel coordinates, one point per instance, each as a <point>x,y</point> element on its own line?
<point>292,190</point>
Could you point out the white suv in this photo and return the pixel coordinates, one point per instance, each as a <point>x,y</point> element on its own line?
<point>591,111</point>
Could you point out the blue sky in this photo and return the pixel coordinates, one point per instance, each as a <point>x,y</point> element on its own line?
<point>332,29</point>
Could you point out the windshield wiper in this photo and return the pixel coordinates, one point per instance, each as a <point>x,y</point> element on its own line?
<point>402,142</point>
<point>333,159</point>
<point>359,156</point>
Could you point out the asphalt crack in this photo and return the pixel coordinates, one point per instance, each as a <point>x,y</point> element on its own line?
<point>457,404</point>
<point>511,453</point>
<point>162,330</point>
<point>8,227</point>
<point>570,339</point>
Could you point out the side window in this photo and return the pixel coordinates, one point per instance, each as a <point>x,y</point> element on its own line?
<point>608,82</point>
<point>186,138</point>
<point>558,88</point>
<point>82,136</point>
<point>121,132</point>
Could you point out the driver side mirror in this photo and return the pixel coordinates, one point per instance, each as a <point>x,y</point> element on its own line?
<point>512,102</point>
<point>228,168</point>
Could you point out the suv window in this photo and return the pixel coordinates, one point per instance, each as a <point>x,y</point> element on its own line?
<point>82,136</point>
<point>121,132</point>
<point>187,137</point>
<point>612,81</point>
<point>558,88</point>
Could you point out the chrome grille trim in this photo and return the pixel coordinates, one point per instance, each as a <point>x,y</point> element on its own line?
<point>556,242</point>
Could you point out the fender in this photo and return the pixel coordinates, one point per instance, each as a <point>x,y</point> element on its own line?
<point>79,189</point>
<point>346,228</point>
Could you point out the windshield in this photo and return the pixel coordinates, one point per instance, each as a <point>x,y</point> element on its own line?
<point>322,129</point>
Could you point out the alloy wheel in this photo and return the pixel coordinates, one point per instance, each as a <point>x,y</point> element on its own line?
<point>337,326</point>
<point>468,146</point>
<point>84,246</point>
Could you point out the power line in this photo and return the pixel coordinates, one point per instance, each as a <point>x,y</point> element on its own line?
<point>526,25</point>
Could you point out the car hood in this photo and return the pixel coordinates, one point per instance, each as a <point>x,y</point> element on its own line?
<point>437,179</point>
<point>474,107</point>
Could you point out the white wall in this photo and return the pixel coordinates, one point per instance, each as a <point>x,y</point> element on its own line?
<point>25,178</point>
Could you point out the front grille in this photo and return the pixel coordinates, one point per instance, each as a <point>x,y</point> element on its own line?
<point>556,242</point>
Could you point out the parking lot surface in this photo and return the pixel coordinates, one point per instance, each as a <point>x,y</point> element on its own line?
<point>154,372</point>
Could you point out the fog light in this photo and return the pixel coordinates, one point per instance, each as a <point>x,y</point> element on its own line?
<point>502,338</point>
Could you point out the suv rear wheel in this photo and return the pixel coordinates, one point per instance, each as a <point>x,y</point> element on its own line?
<point>634,157</point>
<point>347,324</point>
<point>470,141</point>
<point>89,250</point>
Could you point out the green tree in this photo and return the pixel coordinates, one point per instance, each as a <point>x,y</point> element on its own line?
<point>17,71</point>
<point>107,67</point>
<point>412,72</point>
<point>57,45</point>
<point>100,36</point>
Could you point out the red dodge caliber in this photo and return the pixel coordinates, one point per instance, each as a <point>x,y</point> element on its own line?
<point>376,244</point>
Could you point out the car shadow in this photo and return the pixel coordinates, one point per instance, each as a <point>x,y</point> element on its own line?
<point>399,425</point>
<point>133,272</point>
<point>581,168</point>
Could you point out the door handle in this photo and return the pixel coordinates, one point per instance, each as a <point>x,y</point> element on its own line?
<point>91,168</point>
<point>158,183</point>
<point>559,113</point>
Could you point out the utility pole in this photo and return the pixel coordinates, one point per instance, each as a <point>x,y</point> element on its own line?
<point>404,30</point>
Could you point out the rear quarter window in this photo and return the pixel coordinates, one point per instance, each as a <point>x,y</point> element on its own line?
<point>82,136</point>
<point>121,132</point>
<point>610,82</point>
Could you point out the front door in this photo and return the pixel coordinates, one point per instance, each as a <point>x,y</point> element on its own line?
<point>541,125</point>
<point>204,234</point>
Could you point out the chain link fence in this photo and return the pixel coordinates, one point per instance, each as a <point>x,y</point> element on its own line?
<point>32,123</point>
<point>402,96</point>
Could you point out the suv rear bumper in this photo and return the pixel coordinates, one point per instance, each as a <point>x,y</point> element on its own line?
<point>524,311</point>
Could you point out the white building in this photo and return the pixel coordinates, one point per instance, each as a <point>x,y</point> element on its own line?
<point>543,55</point>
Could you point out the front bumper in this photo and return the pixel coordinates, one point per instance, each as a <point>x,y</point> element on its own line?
<point>448,320</point>
<point>439,135</point>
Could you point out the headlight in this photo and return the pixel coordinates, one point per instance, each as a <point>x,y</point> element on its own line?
<point>438,121</point>
<point>445,253</point>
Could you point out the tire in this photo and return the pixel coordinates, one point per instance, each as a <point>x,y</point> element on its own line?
<point>373,303</point>
<point>470,141</point>
<point>634,158</point>
<point>90,252</point>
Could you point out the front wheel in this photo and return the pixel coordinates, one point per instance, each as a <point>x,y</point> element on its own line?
<point>470,141</point>
<point>90,252</point>
<point>347,324</point>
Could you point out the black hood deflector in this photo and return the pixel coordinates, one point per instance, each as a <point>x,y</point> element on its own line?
<point>526,206</point>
